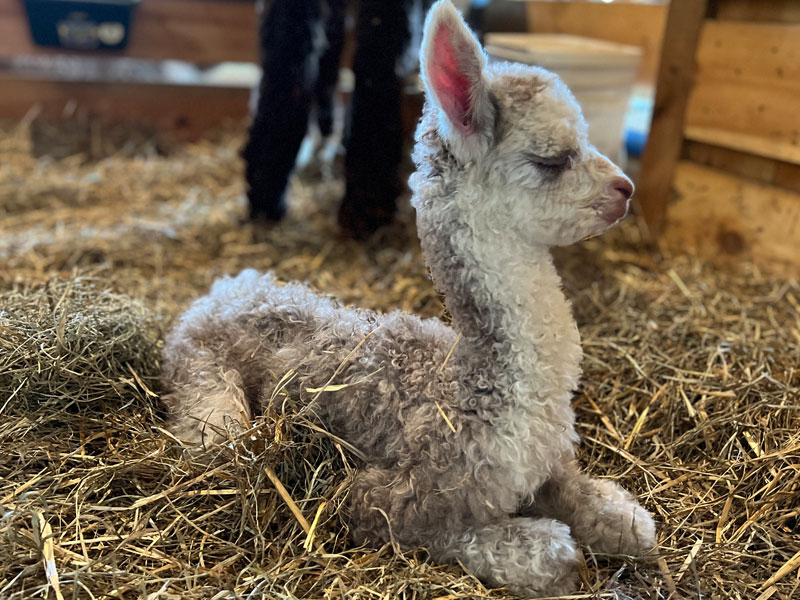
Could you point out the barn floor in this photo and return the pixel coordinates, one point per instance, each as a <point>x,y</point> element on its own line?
<point>691,395</point>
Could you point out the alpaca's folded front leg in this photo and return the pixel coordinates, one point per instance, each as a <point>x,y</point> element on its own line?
<point>533,557</point>
<point>600,513</point>
<point>201,406</point>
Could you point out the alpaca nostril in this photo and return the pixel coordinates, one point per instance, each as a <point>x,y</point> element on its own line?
<point>624,186</point>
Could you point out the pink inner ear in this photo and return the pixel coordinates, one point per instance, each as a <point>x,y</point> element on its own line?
<point>451,85</point>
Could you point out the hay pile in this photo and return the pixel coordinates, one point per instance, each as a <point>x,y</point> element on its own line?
<point>690,395</point>
<point>72,342</point>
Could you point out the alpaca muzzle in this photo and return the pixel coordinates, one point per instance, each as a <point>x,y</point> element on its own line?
<point>617,200</point>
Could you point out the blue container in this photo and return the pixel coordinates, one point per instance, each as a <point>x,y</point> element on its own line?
<point>81,24</point>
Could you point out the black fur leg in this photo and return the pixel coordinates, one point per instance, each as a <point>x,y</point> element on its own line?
<point>375,137</point>
<point>289,42</point>
<point>333,15</point>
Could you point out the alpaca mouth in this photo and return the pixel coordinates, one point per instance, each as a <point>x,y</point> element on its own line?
<point>612,211</point>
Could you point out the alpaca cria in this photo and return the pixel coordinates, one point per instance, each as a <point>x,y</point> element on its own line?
<point>504,171</point>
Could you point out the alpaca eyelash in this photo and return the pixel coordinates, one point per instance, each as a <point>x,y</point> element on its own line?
<point>551,164</point>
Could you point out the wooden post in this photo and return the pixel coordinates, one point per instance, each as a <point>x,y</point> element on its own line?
<point>675,75</point>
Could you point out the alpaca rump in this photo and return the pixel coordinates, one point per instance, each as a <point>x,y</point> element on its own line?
<point>467,432</point>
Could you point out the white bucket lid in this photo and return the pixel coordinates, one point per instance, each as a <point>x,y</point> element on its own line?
<point>560,50</point>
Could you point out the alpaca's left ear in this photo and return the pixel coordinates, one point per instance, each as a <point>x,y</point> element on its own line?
<point>452,63</point>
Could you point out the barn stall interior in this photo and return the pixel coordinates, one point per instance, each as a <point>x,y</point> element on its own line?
<point>123,197</point>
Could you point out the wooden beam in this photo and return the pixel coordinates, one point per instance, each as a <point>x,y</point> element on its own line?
<point>751,166</point>
<point>769,143</point>
<point>675,74</point>
<point>186,111</point>
<point>784,11</point>
<point>725,159</point>
<point>787,176</point>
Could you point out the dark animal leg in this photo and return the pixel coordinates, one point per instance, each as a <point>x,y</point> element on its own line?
<point>329,64</point>
<point>375,138</point>
<point>290,37</point>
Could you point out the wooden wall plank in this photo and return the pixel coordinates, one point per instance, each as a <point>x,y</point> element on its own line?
<point>787,11</point>
<point>739,163</point>
<point>746,90</point>
<point>635,24</point>
<point>200,31</point>
<point>744,164</point>
<point>758,143</point>
<point>753,52</point>
<point>746,87</point>
<point>721,215</point>
<point>15,37</point>
<point>675,73</point>
<point>186,111</point>
<point>787,176</point>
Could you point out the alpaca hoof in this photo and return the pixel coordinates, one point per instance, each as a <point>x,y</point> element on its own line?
<point>368,204</point>
<point>551,567</point>
<point>263,207</point>
<point>640,538</point>
<point>359,222</point>
<point>194,438</point>
<point>629,529</point>
<point>563,580</point>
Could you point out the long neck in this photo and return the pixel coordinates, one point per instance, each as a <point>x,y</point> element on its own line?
<point>520,346</point>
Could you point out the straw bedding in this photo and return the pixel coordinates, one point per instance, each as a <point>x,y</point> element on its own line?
<point>690,395</point>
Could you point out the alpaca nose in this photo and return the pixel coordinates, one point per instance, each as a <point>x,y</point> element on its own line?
<point>624,186</point>
<point>617,201</point>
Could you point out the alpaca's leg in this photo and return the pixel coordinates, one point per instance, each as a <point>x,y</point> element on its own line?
<point>533,557</point>
<point>600,513</point>
<point>375,138</point>
<point>369,505</point>
<point>289,41</point>
<point>529,556</point>
<point>204,402</point>
<point>329,65</point>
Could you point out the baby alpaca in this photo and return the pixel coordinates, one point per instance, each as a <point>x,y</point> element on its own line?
<point>504,171</point>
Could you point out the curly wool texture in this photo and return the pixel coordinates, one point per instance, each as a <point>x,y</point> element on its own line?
<point>494,485</point>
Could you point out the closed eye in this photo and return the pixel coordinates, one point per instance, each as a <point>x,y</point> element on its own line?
<point>551,164</point>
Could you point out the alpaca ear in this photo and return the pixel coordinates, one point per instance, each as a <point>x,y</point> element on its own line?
<point>452,63</point>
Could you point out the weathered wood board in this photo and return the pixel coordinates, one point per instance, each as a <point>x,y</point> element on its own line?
<point>736,128</point>
<point>726,216</point>
<point>746,89</point>
<point>759,10</point>
<point>187,111</point>
<point>675,76</point>
<point>766,170</point>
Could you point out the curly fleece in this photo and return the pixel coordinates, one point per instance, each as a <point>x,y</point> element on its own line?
<point>504,171</point>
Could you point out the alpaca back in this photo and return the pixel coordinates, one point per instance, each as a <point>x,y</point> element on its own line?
<point>365,375</point>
